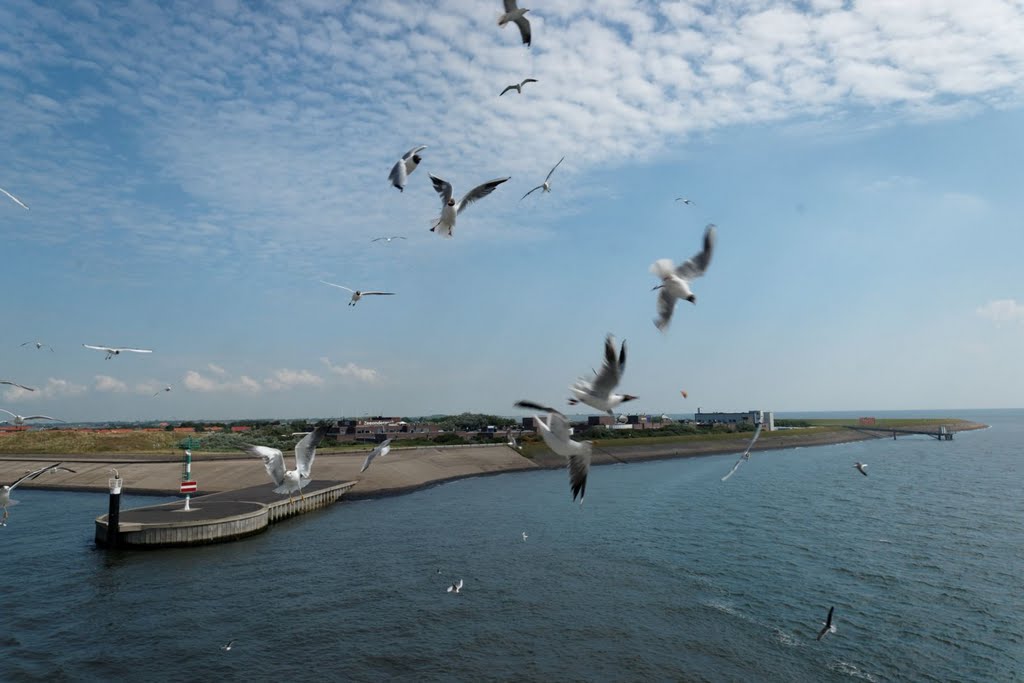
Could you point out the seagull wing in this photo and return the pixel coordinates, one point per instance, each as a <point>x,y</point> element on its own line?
<point>32,475</point>
<point>828,624</point>
<point>530,405</point>
<point>507,88</point>
<point>510,6</point>
<point>553,169</point>
<point>442,187</point>
<point>412,152</point>
<point>15,199</point>
<point>379,293</point>
<point>524,30</point>
<point>528,80</point>
<point>338,286</point>
<point>579,468</point>
<point>137,350</point>
<point>398,176</point>
<point>42,417</point>
<point>15,384</point>
<point>666,304</point>
<point>479,192</point>
<point>3,410</point>
<point>611,369</point>
<point>746,453</point>
<point>696,266</point>
<point>305,450</point>
<point>105,349</point>
<point>273,460</point>
<point>539,187</point>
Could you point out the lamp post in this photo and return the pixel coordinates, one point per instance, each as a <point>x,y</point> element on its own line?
<point>114,511</point>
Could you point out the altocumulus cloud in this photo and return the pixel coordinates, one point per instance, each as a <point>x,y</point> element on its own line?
<point>286,379</point>
<point>1002,311</point>
<point>106,383</point>
<point>351,371</point>
<point>195,381</point>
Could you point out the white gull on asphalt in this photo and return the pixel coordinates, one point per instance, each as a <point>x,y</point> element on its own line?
<point>555,432</point>
<point>597,393</point>
<point>546,185</point>
<point>357,294</point>
<point>746,453</point>
<point>675,282</point>
<point>405,166</point>
<point>450,209</point>
<point>382,449</point>
<point>290,481</point>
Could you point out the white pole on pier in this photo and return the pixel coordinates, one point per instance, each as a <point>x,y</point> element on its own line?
<point>188,476</point>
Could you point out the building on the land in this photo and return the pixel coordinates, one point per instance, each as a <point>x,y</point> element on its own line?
<point>765,417</point>
<point>867,421</point>
<point>600,420</point>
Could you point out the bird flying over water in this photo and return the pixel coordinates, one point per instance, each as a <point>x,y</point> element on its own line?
<point>514,14</point>
<point>546,185</point>
<point>290,481</point>
<point>387,239</point>
<point>746,453</point>
<point>357,294</point>
<point>38,344</point>
<point>450,210</point>
<point>861,467</point>
<point>15,199</point>
<point>15,384</point>
<point>597,393</point>
<point>382,449</point>
<point>227,646</point>
<point>405,166</point>
<point>112,351</point>
<point>20,419</point>
<point>827,626</point>
<point>555,432</point>
<point>455,587</point>
<point>6,490</point>
<point>518,87</point>
<point>525,536</point>
<point>675,283</point>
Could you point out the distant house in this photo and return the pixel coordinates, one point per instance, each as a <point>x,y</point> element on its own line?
<point>765,417</point>
<point>238,428</point>
<point>182,430</point>
<point>867,421</point>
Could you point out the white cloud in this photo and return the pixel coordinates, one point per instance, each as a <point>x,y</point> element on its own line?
<point>351,371</point>
<point>54,388</point>
<point>106,383</point>
<point>194,381</point>
<point>216,369</point>
<point>1002,311</point>
<point>286,379</point>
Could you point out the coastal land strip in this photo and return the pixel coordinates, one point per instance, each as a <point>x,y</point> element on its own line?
<point>407,469</point>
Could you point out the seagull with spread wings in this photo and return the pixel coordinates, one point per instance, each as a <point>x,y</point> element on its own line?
<point>15,384</point>
<point>20,419</point>
<point>598,392</point>
<point>827,626</point>
<point>546,185</point>
<point>382,449</point>
<point>15,199</point>
<point>387,239</point>
<point>450,209</point>
<point>357,294</point>
<point>688,202</point>
<point>38,344</point>
<point>514,14</point>
<point>7,489</point>
<point>291,481</point>
<point>675,282</point>
<point>112,351</point>
<point>555,432</point>
<point>405,166</point>
<point>746,453</point>
<point>518,87</point>
<point>861,467</point>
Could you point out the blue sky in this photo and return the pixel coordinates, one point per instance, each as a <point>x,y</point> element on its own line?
<point>194,168</point>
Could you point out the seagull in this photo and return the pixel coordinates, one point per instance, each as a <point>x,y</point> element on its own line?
<point>862,467</point>
<point>828,626</point>
<point>555,432</point>
<point>404,166</point>
<point>228,646</point>
<point>450,209</point>
<point>455,587</point>
<point>597,393</point>
<point>746,453</point>
<point>546,185</point>
<point>518,87</point>
<point>37,344</point>
<point>112,351</point>
<point>20,419</point>
<point>290,481</point>
<point>357,294</point>
<point>24,206</point>
<point>167,388</point>
<point>512,441</point>
<point>513,13</point>
<point>688,202</point>
<point>525,537</point>
<point>5,490</point>
<point>382,449</point>
<point>15,384</point>
<point>387,239</point>
<point>675,284</point>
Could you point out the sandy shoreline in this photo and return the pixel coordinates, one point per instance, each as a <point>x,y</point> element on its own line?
<point>404,470</point>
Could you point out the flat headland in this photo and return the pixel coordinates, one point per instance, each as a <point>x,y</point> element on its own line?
<point>407,469</point>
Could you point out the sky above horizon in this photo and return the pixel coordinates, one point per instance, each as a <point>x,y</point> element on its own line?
<point>194,168</point>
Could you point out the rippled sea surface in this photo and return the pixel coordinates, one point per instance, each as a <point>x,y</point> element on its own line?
<point>665,573</point>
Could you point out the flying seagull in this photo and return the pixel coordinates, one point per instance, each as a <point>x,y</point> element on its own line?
<point>518,87</point>
<point>357,294</point>
<point>38,344</point>
<point>861,467</point>
<point>513,13</point>
<point>455,587</point>
<point>291,481</point>
<point>15,384</point>
<point>20,419</point>
<point>112,351</point>
<point>450,209</point>
<point>228,646</point>
<point>512,441</point>
<point>555,432</point>
<point>675,283</point>
<point>382,449</point>
<point>24,206</point>
<point>546,185</point>
<point>525,537</point>
<point>688,202</point>
<point>5,490</point>
<point>827,626</point>
<point>746,453</point>
<point>387,239</point>
<point>404,166</point>
<point>167,388</point>
<point>597,393</point>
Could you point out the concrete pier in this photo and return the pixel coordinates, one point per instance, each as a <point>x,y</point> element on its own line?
<point>217,517</point>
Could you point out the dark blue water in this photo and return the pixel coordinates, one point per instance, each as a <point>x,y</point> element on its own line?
<point>666,573</point>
